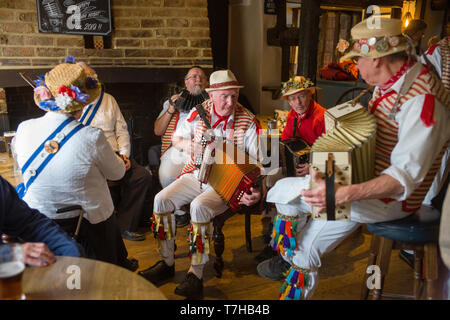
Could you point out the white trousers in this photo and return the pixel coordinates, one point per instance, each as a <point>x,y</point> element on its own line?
<point>318,237</point>
<point>205,204</point>
<point>172,163</point>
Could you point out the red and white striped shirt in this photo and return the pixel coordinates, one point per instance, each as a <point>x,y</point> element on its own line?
<point>410,147</point>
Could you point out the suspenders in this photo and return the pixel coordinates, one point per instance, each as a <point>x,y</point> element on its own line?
<point>45,153</point>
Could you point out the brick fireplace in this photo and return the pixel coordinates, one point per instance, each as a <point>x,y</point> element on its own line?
<point>153,44</point>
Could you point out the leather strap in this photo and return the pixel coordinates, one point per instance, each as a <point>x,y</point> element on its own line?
<point>329,187</point>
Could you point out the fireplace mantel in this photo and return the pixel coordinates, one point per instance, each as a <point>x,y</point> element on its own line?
<point>10,77</point>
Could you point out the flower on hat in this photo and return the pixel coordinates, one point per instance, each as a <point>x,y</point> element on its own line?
<point>79,95</point>
<point>297,82</point>
<point>342,45</point>
<point>63,101</point>
<point>43,92</point>
<point>69,59</point>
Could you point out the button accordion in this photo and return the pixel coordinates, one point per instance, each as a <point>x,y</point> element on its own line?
<point>293,152</point>
<point>230,171</point>
<point>345,154</point>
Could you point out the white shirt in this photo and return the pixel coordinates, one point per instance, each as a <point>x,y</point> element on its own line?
<point>77,173</point>
<point>435,59</point>
<point>111,121</point>
<point>418,145</point>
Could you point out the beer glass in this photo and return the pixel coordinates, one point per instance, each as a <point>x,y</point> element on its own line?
<point>12,266</point>
<point>8,135</point>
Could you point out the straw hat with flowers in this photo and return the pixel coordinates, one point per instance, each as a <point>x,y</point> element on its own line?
<point>296,84</point>
<point>66,88</point>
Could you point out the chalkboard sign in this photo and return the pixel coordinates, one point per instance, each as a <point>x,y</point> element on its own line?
<point>88,17</point>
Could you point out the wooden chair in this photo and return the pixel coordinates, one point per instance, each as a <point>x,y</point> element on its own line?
<point>219,238</point>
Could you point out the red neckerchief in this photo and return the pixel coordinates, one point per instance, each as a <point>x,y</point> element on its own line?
<point>405,67</point>
<point>224,119</point>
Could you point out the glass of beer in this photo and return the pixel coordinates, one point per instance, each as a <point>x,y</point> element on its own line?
<point>12,266</point>
<point>8,136</point>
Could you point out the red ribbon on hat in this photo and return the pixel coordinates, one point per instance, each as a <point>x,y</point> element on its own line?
<point>224,84</point>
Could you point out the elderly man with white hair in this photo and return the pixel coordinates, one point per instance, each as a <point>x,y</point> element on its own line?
<point>229,120</point>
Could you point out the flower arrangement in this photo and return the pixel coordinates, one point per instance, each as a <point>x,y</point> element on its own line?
<point>297,82</point>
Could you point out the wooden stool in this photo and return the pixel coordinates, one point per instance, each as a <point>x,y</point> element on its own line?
<point>408,233</point>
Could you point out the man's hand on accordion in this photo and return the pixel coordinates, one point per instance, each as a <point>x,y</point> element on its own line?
<point>251,198</point>
<point>317,196</point>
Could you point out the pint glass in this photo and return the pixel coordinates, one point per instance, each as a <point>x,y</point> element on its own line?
<point>11,270</point>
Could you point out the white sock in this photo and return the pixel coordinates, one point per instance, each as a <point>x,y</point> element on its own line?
<point>167,251</point>
<point>197,270</point>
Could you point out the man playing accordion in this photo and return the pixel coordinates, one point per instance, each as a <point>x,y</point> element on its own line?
<point>229,120</point>
<point>412,135</point>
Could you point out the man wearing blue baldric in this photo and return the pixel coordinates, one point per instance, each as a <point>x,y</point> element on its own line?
<point>65,163</point>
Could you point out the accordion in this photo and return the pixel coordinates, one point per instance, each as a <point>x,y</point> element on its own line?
<point>186,101</point>
<point>293,152</point>
<point>345,154</point>
<point>230,171</point>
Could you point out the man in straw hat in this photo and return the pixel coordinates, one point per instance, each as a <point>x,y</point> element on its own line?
<point>137,183</point>
<point>64,163</point>
<point>412,136</point>
<point>306,121</point>
<point>229,120</point>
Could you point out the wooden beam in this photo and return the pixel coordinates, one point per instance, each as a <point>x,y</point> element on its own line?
<point>309,39</point>
<point>363,4</point>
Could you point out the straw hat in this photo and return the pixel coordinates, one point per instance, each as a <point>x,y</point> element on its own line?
<point>373,40</point>
<point>296,84</point>
<point>222,80</point>
<point>66,88</point>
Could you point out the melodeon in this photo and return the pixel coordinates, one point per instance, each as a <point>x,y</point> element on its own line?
<point>230,171</point>
<point>293,152</point>
<point>345,154</point>
<point>186,101</point>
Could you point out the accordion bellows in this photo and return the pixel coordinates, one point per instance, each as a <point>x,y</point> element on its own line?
<point>352,129</point>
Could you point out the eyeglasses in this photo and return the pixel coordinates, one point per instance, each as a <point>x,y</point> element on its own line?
<point>195,76</point>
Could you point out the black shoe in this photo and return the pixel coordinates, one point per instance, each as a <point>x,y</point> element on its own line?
<point>182,220</point>
<point>158,273</point>
<point>265,254</point>
<point>273,269</point>
<point>407,257</point>
<point>131,264</point>
<point>191,287</point>
<point>133,236</point>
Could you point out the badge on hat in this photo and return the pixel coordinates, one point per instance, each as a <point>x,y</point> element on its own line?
<point>51,146</point>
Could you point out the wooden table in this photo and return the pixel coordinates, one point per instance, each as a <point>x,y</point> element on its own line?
<point>98,281</point>
<point>7,170</point>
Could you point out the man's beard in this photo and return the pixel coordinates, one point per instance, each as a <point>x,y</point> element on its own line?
<point>197,89</point>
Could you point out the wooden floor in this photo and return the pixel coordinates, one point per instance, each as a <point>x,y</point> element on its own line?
<point>340,275</point>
